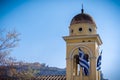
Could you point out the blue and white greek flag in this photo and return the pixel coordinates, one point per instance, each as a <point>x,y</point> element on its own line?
<point>99,61</point>
<point>83,62</point>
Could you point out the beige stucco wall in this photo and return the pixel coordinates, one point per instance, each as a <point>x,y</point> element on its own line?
<point>89,42</point>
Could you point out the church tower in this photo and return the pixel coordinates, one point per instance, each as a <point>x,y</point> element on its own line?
<point>83,35</point>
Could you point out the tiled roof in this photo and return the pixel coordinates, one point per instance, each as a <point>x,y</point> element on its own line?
<point>51,72</point>
<point>53,77</point>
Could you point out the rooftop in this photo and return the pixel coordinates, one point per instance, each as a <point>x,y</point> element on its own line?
<point>82,18</point>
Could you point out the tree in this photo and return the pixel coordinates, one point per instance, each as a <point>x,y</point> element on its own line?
<point>8,40</point>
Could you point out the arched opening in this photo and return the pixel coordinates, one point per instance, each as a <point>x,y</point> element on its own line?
<point>76,65</point>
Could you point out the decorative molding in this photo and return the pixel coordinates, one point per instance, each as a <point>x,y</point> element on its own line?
<point>82,46</point>
<point>81,43</point>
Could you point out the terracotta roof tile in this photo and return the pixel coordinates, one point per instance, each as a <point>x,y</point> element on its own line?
<point>52,77</point>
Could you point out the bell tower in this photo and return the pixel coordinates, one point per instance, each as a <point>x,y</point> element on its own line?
<point>83,35</point>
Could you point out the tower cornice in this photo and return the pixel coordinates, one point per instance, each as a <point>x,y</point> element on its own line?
<point>95,37</point>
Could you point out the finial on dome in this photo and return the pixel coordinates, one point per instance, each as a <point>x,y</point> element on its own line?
<point>82,10</point>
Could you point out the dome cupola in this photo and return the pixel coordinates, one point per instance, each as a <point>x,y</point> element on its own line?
<point>82,18</point>
<point>82,24</point>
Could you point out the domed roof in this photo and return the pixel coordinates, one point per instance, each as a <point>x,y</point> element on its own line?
<point>82,18</point>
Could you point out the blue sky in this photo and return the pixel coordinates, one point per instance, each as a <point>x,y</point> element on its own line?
<point>43,23</point>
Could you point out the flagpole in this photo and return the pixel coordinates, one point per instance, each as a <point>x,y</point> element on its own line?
<point>81,75</point>
<point>98,75</point>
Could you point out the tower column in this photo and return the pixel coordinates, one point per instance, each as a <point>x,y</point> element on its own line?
<point>83,35</point>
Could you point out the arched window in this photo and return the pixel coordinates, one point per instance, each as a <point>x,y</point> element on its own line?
<point>76,66</point>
